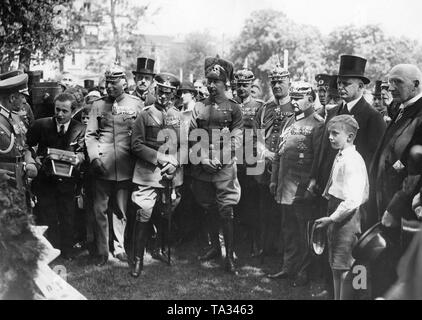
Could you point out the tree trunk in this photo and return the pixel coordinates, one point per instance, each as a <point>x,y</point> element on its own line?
<point>116,37</point>
<point>5,63</point>
<point>24,59</point>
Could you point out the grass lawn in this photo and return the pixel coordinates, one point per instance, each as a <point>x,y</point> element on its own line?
<point>186,279</point>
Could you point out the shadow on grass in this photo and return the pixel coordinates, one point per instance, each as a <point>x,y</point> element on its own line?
<point>186,279</point>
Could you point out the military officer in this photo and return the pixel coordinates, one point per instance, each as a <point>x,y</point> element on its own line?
<point>16,161</point>
<point>156,131</point>
<point>248,209</point>
<point>108,136</point>
<point>22,106</point>
<point>144,76</point>
<point>215,185</point>
<point>327,92</point>
<point>270,120</point>
<point>298,144</point>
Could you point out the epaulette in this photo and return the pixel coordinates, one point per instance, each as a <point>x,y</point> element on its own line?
<point>134,97</point>
<point>147,107</point>
<point>260,101</point>
<point>318,117</point>
<point>4,112</point>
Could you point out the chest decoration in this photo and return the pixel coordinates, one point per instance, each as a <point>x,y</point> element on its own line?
<point>128,111</point>
<point>171,121</point>
<point>303,131</point>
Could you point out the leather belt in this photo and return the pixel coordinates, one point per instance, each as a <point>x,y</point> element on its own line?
<point>12,159</point>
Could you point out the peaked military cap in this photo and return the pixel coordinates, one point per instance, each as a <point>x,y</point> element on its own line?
<point>115,72</point>
<point>218,69</point>
<point>167,80</point>
<point>14,81</point>
<point>323,80</point>
<point>279,73</point>
<point>300,89</point>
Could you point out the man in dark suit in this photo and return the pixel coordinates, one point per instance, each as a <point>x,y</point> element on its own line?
<point>393,180</point>
<point>394,177</point>
<point>351,82</point>
<point>55,207</point>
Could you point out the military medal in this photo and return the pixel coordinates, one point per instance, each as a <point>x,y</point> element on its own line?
<point>225,130</point>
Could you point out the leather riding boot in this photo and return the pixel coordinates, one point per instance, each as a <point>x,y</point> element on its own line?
<point>215,250</point>
<point>141,232</point>
<point>229,241</point>
<point>159,251</point>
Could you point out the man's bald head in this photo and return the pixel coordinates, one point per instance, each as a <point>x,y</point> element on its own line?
<point>406,79</point>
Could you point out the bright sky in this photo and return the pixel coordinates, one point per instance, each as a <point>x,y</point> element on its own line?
<point>227,16</point>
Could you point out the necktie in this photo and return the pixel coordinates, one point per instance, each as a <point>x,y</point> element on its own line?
<point>344,110</point>
<point>400,113</point>
<point>61,132</point>
<point>330,178</point>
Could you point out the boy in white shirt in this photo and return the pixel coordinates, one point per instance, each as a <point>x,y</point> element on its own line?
<point>346,190</point>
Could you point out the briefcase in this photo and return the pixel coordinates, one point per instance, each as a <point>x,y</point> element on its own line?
<point>62,162</point>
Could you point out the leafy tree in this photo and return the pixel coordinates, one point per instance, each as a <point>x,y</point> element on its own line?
<point>36,29</point>
<point>190,55</point>
<point>265,36</point>
<point>381,51</point>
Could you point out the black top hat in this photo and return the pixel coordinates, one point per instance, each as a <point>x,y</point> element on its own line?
<point>378,88</point>
<point>88,84</point>
<point>372,243</point>
<point>353,67</point>
<point>144,66</point>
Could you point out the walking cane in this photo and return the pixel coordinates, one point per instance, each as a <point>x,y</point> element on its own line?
<point>169,196</point>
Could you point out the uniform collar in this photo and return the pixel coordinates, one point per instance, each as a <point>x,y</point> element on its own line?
<point>4,111</point>
<point>283,101</point>
<point>305,113</point>
<point>246,101</point>
<point>140,95</point>
<point>120,98</point>
<point>218,99</point>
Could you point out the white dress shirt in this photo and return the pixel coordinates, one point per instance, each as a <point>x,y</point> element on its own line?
<point>348,181</point>
<point>352,103</point>
<point>66,126</point>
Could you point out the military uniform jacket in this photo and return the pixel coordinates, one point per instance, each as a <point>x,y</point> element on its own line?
<point>297,146</point>
<point>152,121</point>
<point>224,115</point>
<point>108,135</point>
<point>393,182</point>
<point>249,109</point>
<point>13,147</point>
<point>271,118</point>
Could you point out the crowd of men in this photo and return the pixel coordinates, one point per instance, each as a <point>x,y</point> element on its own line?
<point>118,170</point>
